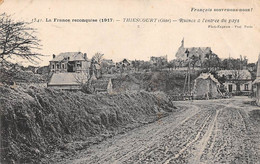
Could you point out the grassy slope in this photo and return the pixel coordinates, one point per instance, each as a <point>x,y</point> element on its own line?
<point>166,81</point>
<point>38,121</point>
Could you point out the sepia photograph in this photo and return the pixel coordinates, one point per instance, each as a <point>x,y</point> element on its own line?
<point>130,82</point>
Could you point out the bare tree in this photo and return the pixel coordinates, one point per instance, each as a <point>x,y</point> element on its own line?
<point>81,77</point>
<point>97,58</point>
<point>84,80</point>
<point>17,39</point>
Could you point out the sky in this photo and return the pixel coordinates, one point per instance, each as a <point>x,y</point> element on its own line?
<point>139,40</point>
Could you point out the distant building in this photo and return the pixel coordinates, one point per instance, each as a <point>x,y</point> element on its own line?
<point>200,52</point>
<point>206,86</point>
<point>69,70</point>
<point>70,62</point>
<point>124,65</point>
<point>236,80</point>
<point>257,83</point>
<point>158,61</point>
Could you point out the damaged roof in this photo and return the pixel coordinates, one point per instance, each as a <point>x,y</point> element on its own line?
<point>71,56</point>
<point>196,51</point>
<point>208,76</point>
<point>236,74</point>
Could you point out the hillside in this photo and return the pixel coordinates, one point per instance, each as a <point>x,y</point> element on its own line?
<point>36,122</point>
<point>171,82</point>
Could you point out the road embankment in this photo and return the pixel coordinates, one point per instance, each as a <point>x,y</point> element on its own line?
<point>36,122</point>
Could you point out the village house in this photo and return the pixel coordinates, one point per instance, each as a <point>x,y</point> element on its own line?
<point>70,62</point>
<point>124,65</point>
<point>236,81</point>
<point>257,83</point>
<point>199,52</point>
<point>69,70</point>
<point>206,86</point>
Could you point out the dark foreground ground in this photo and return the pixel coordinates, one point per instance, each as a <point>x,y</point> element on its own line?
<point>214,131</point>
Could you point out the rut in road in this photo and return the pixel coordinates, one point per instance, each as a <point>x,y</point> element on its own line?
<point>122,147</point>
<point>203,132</point>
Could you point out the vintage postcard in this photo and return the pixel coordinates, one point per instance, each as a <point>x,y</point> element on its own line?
<point>130,81</point>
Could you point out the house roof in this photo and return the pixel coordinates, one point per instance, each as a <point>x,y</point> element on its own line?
<point>126,60</point>
<point>73,56</point>
<point>197,51</point>
<point>240,74</point>
<point>206,76</point>
<point>67,78</point>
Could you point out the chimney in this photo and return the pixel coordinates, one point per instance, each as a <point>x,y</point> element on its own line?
<point>85,56</point>
<point>258,67</point>
<point>53,56</point>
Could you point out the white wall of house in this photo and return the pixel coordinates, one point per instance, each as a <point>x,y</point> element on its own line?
<point>245,86</point>
<point>58,67</point>
<point>62,66</point>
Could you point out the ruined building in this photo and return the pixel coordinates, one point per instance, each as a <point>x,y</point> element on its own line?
<point>193,51</point>
<point>257,82</point>
<point>70,70</point>
<point>237,81</point>
<point>206,85</point>
<point>70,62</point>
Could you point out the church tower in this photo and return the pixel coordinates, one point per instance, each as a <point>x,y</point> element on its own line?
<point>182,43</point>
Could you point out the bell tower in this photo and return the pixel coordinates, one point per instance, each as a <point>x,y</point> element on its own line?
<point>182,43</point>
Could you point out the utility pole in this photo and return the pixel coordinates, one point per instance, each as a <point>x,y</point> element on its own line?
<point>187,77</point>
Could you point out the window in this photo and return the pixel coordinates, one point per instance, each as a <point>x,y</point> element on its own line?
<point>230,88</point>
<point>63,66</point>
<point>246,87</point>
<point>78,64</point>
<point>230,76</point>
<point>58,66</point>
<point>53,66</point>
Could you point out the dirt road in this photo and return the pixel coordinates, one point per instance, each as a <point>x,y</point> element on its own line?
<point>214,131</point>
